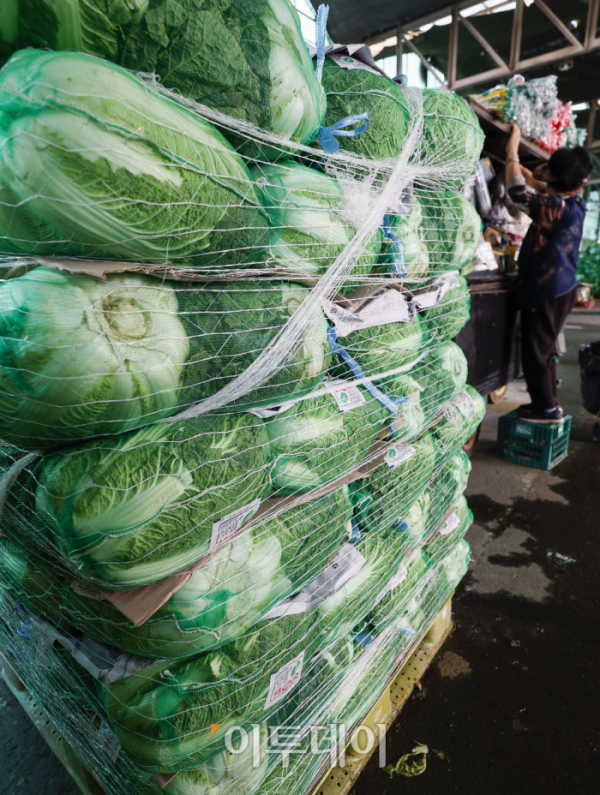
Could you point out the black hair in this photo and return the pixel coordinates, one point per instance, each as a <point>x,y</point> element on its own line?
<point>569,167</point>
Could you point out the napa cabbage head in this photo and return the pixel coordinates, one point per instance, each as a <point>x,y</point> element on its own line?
<point>139,507</point>
<point>81,356</point>
<point>442,375</point>
<point>353,88</point>
<point>382,498</point>
<point>247,60</point>
<point>94,162</point>
<point>449,482</point>
<point>453,135</point>
<point>406,392</point>
<point>452,230</point>
<point>449,532</point>
<point>229,324</point>
<point>317,440</point>
<point>308,229</point>
<point>460,420</point>
<point>405,584</point>
<point>162,716</point>
<point>378,349</point>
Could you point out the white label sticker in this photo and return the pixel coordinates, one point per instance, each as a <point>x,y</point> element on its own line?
<point>283,680</point>
<point>449,524</point>
<point>228,525</point>
<point>346,62</point>
<point>346,564</point>
<point>398,454</point>
<point>398,577</point>
<point>108,741</point>
<point>386,306</point>
<point>465,404</point>
<point>348,397</point>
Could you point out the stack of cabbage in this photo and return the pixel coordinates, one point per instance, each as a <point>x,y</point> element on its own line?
<point>231,409</point>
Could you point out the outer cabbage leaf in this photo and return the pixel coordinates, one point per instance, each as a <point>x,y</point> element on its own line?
<point>360,89</point>
<point>314,442</point>
<point>96,163</point>
<point>442,375</point>
<point>396,601</point>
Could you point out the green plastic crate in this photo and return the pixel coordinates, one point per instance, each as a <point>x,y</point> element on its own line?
<point>532,444</point>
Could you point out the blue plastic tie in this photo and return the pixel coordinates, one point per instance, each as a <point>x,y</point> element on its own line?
<point>398,256</point>
<point>402,527</point>
<point>406,631</point>
<point>322,15</point>
<point>364,638</point>
<point>326,137</point>
<point>359,372</point>
<point>355,532</point>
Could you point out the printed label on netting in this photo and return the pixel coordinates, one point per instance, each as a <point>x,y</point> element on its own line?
<point>283,680</point>
<point>398,454</point>
<point>465,404</point>
<point>449,524</point>
<point>346,564</point>
<point>228,525</point>
<point>386,306</point>
<point>438,290</point>
<point>348,397</point>
<point>346,62</point>
<point>398,577</point>
<point>108,741</point>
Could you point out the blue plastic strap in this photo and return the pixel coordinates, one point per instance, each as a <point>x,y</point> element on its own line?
<point>322,15</point>
<point>398,257</point>
<point>402,527</point>
<point>326,137</point>
<point>359,372</point>
<point>406,631</point>
<point>355,532</point>
<point>364,638</point>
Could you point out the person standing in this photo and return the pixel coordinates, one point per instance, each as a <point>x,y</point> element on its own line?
<point>547,263</point>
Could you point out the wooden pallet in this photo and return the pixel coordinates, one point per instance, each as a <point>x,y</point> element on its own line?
<point>339,780</point>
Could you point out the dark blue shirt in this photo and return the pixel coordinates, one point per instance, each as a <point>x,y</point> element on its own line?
<point>548,256</point>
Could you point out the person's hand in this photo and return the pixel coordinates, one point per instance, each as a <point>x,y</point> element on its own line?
<point>512,147</point>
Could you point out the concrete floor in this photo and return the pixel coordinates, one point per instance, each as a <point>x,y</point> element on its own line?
<point>512,700</point>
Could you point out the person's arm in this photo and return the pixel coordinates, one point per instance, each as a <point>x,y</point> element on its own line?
<point>513,164</point>
<point>531,180</point>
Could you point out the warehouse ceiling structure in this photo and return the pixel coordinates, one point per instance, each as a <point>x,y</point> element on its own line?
<point>470,46</point>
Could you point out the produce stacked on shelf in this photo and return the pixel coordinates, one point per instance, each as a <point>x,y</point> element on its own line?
<point>231,409</point>
<point>535,106</point>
